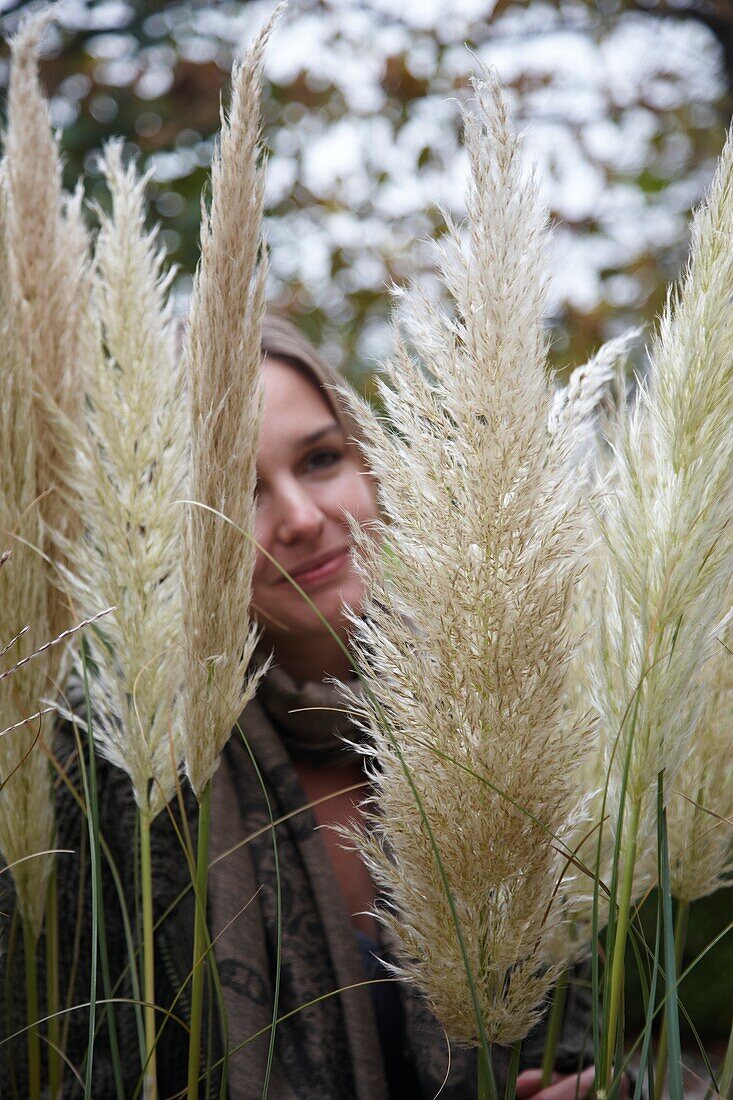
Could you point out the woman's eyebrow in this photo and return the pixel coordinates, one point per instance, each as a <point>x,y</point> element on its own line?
<point>319,433</point>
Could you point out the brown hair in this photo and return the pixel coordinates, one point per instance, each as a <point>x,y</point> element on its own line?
<point>282,340</point>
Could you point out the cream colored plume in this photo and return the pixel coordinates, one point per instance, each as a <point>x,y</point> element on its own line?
<point>595,407</point>
<point>464,645</point>
<point>49,261</point>
<point>26,811</point>
<point>667,522</point>
<point>44,315</point>
<point>223,362</point>
<point>131,476</point>
<point>700,807</point>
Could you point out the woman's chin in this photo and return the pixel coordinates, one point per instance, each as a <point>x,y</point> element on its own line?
<point>331,603</point>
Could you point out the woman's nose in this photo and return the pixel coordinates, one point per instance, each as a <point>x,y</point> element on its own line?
<point>299,516</point>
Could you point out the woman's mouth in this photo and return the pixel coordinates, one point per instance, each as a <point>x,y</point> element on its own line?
<point>319,569</point>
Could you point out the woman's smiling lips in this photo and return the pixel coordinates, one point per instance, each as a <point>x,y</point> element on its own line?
<point>319,568</point>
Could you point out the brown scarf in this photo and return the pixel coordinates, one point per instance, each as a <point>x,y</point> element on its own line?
<point>328,1050</point>
<point>311,719</point>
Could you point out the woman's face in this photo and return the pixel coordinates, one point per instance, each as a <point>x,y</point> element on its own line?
<point>309,478</point>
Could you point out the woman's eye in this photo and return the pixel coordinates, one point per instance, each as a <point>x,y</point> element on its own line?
<point>323,458</point>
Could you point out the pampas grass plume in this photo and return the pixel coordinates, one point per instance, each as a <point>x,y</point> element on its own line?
<point>131,474</point>
<point>223,363</point>
<point>44,321</point>
<point>663,565</point>
<point>49,261</point>
<point>667,521</point>
<point>464,645</point>
<point>26,812</point>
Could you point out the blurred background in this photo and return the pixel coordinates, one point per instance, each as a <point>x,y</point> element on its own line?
<point>623,104</point>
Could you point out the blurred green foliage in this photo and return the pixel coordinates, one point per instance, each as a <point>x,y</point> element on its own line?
<point>706,996</point>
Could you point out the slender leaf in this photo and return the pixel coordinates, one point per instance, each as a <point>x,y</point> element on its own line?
<point>90,795</point>
<point>676,1088</point>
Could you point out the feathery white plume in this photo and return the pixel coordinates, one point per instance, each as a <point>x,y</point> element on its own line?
<point>464,645</point>
<point>667,519</point>
<point>131,475</point>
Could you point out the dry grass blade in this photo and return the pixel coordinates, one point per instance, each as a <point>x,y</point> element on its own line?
<point>63,637</point>
<point>223,361</point>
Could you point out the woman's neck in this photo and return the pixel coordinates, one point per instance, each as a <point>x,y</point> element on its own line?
<point>311,660</point>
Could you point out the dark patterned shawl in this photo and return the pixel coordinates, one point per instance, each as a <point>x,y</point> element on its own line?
<point>326,1045</point>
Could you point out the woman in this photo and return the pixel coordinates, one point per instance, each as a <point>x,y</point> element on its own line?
<point>290,908</point>
<point>367,1042</point>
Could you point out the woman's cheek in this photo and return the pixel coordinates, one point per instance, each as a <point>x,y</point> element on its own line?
<point>359,498</point>
<point>261,544</point>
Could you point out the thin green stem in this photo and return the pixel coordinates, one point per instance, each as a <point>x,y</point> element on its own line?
<point>599,1034</point>
<point>90,796</point>
<point>200,944</point>
<point>671,999</point>
<point>486,1083</point>
<point>680,936</point>
<point>726,1078</point>
<point>109,1006</point>
<point>511,1082</point>
<point>645,1063</point>
<point>99,936</point>
<point>31,1001</point>
<point>619,945</point>
<point>52,986</point>
<point>150,1088</point>
<point>554,1028</point>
